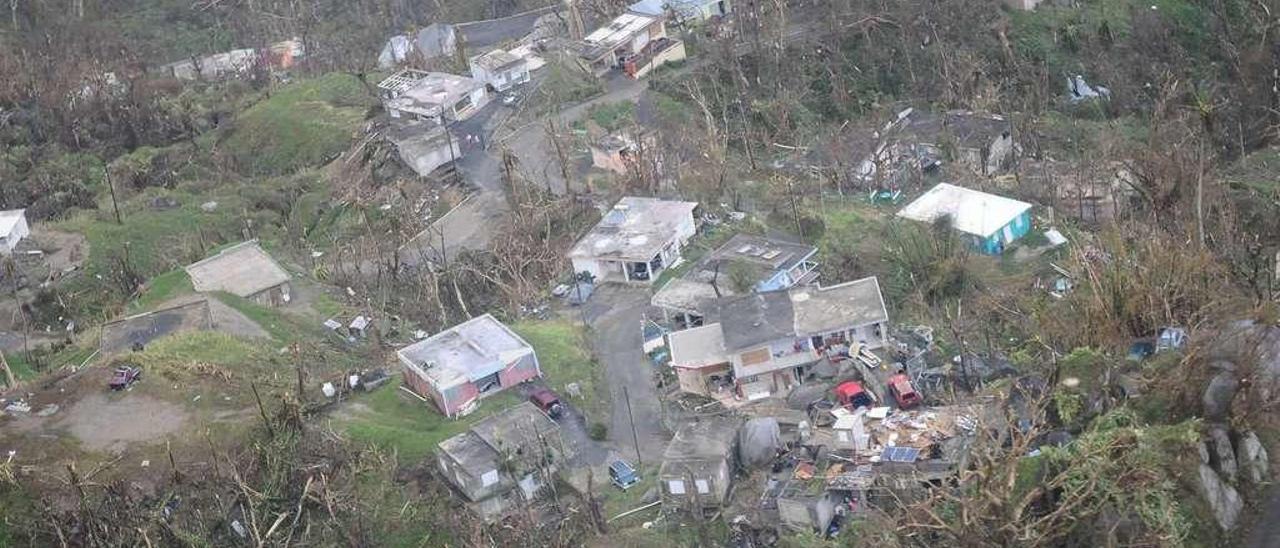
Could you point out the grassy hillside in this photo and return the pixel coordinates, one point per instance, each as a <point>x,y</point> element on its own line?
<point>301,125</point>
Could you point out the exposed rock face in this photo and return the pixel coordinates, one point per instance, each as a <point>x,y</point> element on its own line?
<point>1253,458</point>
<point>1218,396</point>
<point>1222,498</point>
<point>1224,454</point>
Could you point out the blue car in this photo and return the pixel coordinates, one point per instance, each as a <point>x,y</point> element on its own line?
<point>623,474</point>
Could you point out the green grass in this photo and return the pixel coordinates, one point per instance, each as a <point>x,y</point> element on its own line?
<point>198,346</point>
<point>162,288</point>
<point>301,125</point>
<point>279,325</point>
<point>561,349</point>
<point>158,240</point>
<point>20,367</point>
<point>392,419</point>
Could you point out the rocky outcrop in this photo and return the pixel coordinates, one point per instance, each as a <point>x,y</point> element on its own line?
<point>1253,458</point>
<point>1222,498</point>
<point>1223,454</point>
<point>1227,457</point>
<point>1219,394</point>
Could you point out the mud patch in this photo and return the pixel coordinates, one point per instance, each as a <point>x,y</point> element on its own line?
<point>103,422</point>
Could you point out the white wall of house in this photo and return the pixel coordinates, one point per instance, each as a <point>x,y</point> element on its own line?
<point>20,230</point>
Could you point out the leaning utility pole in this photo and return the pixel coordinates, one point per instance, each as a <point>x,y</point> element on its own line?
<point>635,438</point>
<point>112,186</point>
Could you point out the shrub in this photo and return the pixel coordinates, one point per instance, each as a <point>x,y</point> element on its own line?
<point>598,431</point>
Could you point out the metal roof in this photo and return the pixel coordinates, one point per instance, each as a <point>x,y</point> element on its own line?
<point>970,211</point>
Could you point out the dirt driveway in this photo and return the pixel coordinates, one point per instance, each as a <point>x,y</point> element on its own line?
<point>614,314</point>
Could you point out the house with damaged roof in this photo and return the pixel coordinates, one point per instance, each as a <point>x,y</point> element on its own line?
<point>632,42</point>
<point>744,264</point>
<point>432,96</point>
<point>459,366</point>
<point>504,460</point>
<point>636,240</point>
<point>765,342</point>
<point>698,464</point>
<point>918,141</point>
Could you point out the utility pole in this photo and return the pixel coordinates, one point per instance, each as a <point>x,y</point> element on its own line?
<point>635,438</point>
<point>112,186</point>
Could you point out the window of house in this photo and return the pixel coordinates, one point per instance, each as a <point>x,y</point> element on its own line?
<point>703,486</point>
<point>489,478</point>
<point>757,356</point>
<point>675,487</point>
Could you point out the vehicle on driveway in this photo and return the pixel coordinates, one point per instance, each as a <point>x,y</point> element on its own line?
<point>622,474</point>
<point>124,376</point>
<point>548,402</point>
<point>852,395</point>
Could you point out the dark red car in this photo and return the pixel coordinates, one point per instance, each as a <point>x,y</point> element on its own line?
<point>124,376</point>
<point>548,402</point>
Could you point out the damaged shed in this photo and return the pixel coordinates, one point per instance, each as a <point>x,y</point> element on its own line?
<point>698,464</point>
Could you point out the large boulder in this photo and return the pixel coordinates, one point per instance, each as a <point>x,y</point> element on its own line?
<point>1223,499</point>
<point>1253,458</point>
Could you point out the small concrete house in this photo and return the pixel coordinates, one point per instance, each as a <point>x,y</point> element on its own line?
<point>500,69</point>
<point>424,146</point>
<point>770,339</point>
<point>504,460</point>
<point>244,270</point>
<point>13,228</point>
<point>636,240</point>
<point>458,367</point>
<point>767,264</point>
<point>697,466</point>
<point>989,222</point>
<point>432,96</point>
<point>632,42</point>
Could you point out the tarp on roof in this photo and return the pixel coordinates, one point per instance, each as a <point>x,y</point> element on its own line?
<point>758,442</point>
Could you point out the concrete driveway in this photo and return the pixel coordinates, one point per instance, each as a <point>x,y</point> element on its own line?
<point>573,430</point>
<point>614,314</point>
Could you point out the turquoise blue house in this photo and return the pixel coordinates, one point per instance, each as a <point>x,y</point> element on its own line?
<point>990,222</point>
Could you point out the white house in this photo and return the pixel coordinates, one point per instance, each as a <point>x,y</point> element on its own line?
<point>632,42</point>
<point>13,228</point>
<point>636,240</point>
<point>500,69</point>
<point>432,96</point>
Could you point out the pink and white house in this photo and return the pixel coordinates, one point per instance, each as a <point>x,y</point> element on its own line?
<point>458,367</point>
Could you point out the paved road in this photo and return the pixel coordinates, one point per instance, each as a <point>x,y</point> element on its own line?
<point>491,32</point>
<point>614,314</point>
<point>537,154</point>
<point>573,430</point>
<point>1266,528</point>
